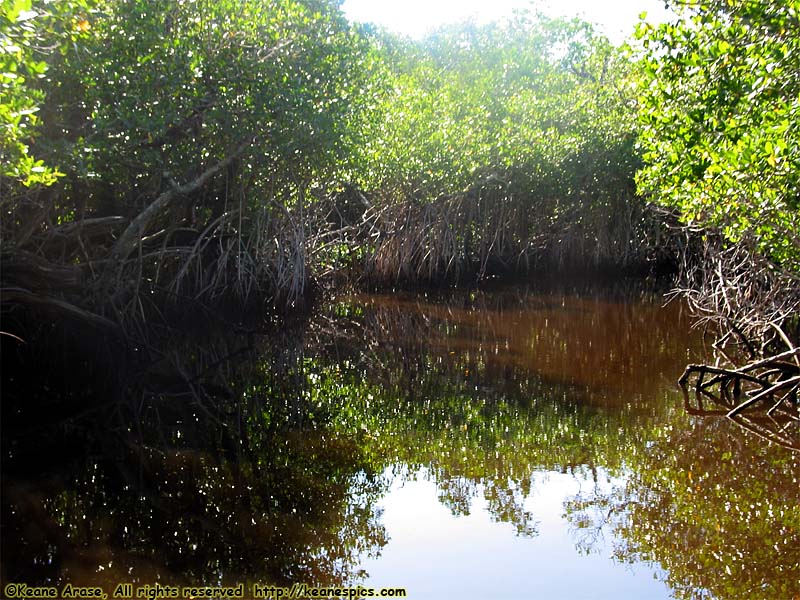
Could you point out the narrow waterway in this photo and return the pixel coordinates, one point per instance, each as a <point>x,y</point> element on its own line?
<point>518,442</point>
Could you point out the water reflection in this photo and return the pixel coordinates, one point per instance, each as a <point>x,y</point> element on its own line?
<point>484,392</point>
<point>718,511</point>
<point>270,457</point>
<point>490,385</point>
<point>613,351</point>
<point>184,517</point>
<point>440,556</point>
<point>221,477</point>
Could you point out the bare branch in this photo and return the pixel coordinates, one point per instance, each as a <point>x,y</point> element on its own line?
<point>132,235</point>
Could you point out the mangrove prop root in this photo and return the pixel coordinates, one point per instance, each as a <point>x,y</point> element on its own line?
<point>761,396</point>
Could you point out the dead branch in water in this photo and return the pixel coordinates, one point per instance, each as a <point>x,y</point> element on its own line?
<point>761,396</point>
<point>754,304</point>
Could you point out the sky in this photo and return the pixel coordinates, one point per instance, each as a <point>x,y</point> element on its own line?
<point>615,18</point>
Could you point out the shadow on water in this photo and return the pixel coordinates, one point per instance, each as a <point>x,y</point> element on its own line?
<point>230,456</point>
<point>205,470</point>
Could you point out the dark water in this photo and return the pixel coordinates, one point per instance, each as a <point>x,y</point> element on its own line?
<point>507,443</point>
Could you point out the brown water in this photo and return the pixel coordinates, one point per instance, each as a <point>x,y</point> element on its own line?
<point>506,443</point>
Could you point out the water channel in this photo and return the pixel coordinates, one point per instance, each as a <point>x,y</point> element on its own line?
<point>509,442</point>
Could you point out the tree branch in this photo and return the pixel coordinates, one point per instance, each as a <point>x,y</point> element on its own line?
<point>132,235</point>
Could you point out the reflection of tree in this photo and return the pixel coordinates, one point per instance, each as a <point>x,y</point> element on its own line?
<point>592,516</point>
<point>717,510</point>
<point>590,341</point>
<point>231,461</point>
<point>474,443</point>
<point>224,474</point>
<point>506,504</point>
<point>477,390</point>
<point>505,500</point>
<point>297,516</point>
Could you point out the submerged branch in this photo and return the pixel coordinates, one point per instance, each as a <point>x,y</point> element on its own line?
<point>788,383</point>
<point>773,381</point>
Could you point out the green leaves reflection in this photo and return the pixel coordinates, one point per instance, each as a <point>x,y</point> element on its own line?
<point>189,517</point>
<point>274,472</point>
<point>475,390</point>
<point>199,488</point>
<point>482,390</point>
<point>718,511</point>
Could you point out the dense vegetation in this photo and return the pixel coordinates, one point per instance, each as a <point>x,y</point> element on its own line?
<point>161,150</point>
<point>208,150</point>
<point>720,121</point>
<point>721,147</point>
<point>155,151</point>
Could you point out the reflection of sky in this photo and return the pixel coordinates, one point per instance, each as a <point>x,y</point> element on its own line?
<point>435,555</point>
